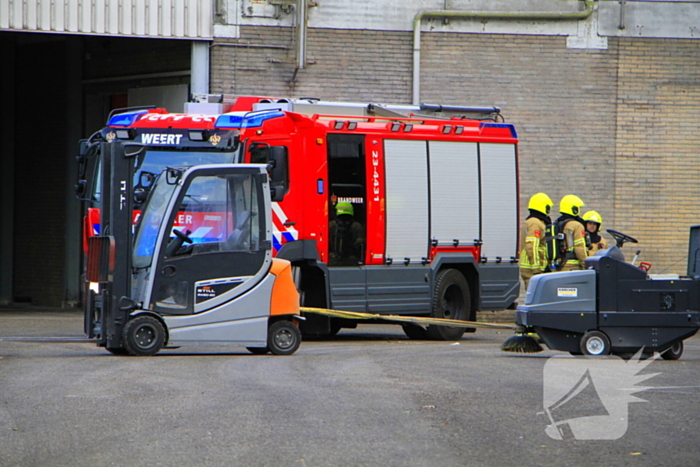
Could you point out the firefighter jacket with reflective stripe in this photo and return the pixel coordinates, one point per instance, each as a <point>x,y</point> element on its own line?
<point>533,255</point>
<point>576,250</point>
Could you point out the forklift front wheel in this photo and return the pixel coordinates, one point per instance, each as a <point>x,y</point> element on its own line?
<point>283,338</point>
<point>143,336</point>
<point>674,352</point>
<point>595,343</point>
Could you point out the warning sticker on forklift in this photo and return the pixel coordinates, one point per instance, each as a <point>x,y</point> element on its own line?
<point>567,292</point>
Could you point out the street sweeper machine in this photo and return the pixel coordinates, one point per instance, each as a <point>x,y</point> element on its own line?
<point>612,307</point>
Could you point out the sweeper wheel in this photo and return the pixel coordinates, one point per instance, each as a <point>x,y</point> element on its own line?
<point>595,343</point>
<point>674,352</point>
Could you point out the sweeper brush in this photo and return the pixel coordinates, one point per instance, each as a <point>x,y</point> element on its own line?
<point>522,342</point>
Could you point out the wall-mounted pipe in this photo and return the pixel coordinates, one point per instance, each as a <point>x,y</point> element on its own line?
<point>588,8</point>
<point>302,21</point>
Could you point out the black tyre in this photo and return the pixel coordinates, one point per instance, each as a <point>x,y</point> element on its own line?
<point>595,343</point>
<point>258,350</point>
<point>451,300</point>
<point>414,331</point>
<point>283,338</point>
<point>674,352</point>
<point>143,336</point>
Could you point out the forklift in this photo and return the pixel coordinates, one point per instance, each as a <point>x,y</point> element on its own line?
<point>614,307</point>
<point>198,270</point>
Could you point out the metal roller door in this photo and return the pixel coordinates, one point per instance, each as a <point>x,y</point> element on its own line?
<point>407,232</point>
<point>499,200</point>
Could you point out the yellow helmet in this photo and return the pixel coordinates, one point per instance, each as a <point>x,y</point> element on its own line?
<point>344,208</point>
<point>592,216</point>
<point>541,203</point>
<point>571,204</point>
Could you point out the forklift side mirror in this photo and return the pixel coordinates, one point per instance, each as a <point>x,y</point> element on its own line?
<point>146,179</point>
<point>172,176</point>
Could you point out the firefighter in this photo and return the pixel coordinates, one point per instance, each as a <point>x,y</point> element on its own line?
<point>594,221</point>
<point>574,230</point>
<point>347,237</point>
<point>533,255</point>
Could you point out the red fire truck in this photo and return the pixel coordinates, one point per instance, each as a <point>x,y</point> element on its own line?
<point>423,198</point>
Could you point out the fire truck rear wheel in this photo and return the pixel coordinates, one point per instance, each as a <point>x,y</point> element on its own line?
<point>143,336</point>
<point>283,338</point>
<point>414,331</point>
<point>451,300</point>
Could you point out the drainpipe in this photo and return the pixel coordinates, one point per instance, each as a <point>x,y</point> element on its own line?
<point>588,8</point>
<point>302,20</point>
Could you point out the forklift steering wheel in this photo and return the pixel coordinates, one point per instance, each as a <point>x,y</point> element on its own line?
<point>621,238</point>
<point>184,236</point>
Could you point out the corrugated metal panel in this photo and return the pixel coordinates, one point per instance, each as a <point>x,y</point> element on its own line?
<point>166,19</point>
<point>454,192</point>
<point>499,200</point>
<point>406,166</point>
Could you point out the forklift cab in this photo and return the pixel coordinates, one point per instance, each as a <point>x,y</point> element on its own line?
<point>199,270</point>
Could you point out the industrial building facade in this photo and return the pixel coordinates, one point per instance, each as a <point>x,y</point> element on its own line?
<point>604,95</point>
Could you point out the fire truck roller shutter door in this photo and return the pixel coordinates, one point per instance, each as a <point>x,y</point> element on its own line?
<point>499,200</point>
<point>499,279</point>
<point>454,213</point>
<point>407,230</point>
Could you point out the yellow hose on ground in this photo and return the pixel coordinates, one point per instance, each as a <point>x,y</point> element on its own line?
<point>405,319</point>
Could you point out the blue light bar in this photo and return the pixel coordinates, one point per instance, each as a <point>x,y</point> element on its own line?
<point>513,133</point>
<point>126,119</point>
<point>247,120</point>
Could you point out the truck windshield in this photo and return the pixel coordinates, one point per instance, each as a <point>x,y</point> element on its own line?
<point>156,161</point>
<point>147,234</point>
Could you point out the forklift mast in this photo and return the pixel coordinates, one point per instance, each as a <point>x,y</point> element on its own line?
<point>109,254</point>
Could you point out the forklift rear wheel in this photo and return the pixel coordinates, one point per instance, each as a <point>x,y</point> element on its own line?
<point>595,343</point>
<point>283,338</point>
<point>450,301</point>
<point>674,352</point>
<point>143,336</point>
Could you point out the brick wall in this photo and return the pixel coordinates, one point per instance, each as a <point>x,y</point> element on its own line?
<point>348,65</point>
<point>657,188</point>
<point>615,127</point>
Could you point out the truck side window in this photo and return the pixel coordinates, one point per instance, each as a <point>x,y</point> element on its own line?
<point>347,212</point>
